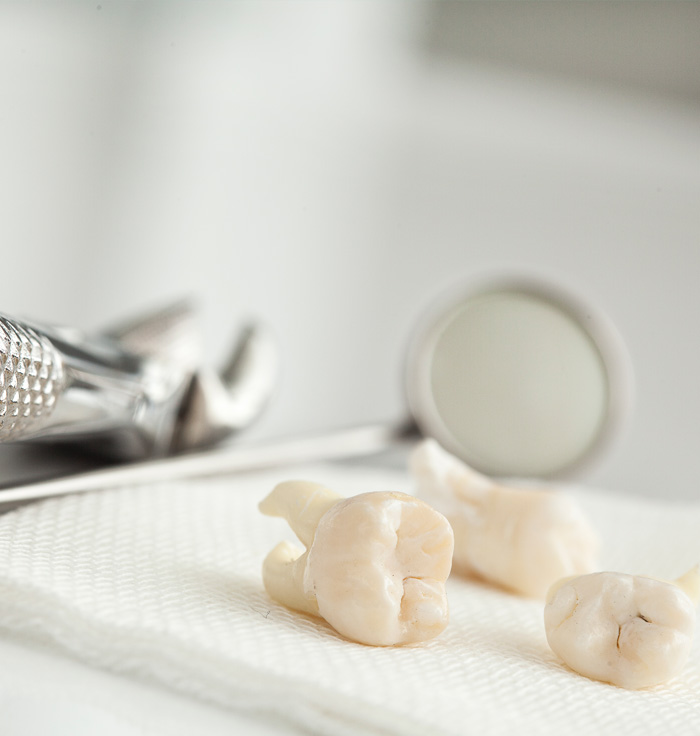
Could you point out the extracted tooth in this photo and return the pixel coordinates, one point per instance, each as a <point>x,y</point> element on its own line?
<point>520,538</point>
<point>375,564</point>
<point>631,631</point>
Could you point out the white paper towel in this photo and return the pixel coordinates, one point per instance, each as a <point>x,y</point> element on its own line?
<point>163,583</point>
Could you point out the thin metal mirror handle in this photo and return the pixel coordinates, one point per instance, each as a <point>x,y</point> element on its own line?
<point>360,441</point>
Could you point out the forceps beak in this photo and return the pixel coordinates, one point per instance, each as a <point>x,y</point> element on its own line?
<point>217,405</point>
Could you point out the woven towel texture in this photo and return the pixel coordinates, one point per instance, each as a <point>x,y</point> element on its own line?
<point>163,583</point>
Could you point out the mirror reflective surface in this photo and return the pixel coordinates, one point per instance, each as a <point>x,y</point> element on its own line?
<point>518,380</point>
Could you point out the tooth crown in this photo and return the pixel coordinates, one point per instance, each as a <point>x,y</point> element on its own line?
<point>378,566</point>
<point>374,569</point>
<point>519,538</point>
<point>631,631</point>
<point>31,379</point>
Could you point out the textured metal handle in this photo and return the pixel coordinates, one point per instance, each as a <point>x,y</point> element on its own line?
<point>59,385</point>
<point>32,377</point>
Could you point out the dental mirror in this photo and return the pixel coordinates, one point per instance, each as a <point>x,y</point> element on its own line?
<point>518,378</point>
<point>515,377</point>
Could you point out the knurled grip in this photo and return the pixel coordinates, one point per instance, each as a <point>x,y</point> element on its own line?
<point>32,378</point>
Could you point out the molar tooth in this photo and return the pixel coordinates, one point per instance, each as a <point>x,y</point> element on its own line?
<point>520,538</point>
<point>374,567</point>
<point>631,631</point>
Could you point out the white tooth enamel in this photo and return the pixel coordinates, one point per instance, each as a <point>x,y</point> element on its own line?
<point>375,564</point>
<point>631,631</point>
<point>519,538</point>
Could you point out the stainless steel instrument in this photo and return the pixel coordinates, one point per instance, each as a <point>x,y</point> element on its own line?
<point>513,375</point>
<point>129,393</point>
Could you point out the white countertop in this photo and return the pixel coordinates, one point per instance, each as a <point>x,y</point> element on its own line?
<point>43,693</point>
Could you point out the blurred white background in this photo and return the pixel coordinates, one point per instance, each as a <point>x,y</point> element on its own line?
<point>331,167</point>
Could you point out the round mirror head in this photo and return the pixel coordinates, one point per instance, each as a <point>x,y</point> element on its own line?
<point>518,380</point>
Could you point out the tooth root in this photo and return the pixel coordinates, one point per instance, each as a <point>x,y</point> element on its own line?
<point>444,474</point>
<point>690,584</point>
<point>301,504</point>
<point>283,578</point>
